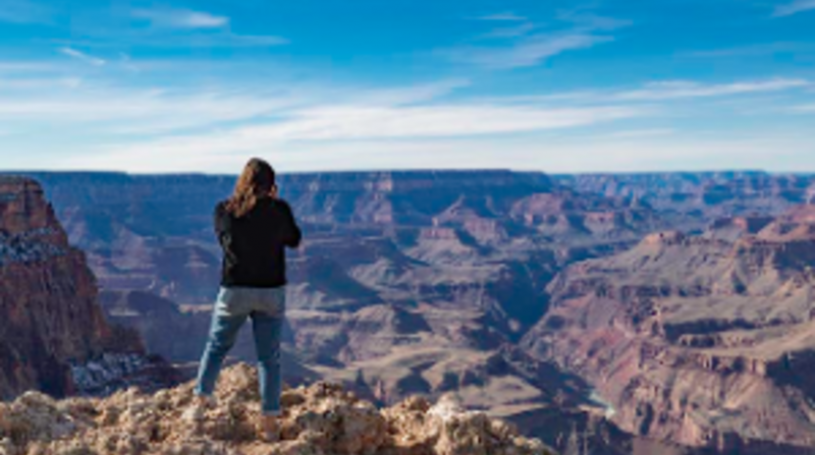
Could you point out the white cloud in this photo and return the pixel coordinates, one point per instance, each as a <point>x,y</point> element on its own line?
<point>527,52</point>
<point>205,39</point>
<point>747,150</point>
<point>665,91</point>
<point>103,122</point>
<point>583,153</point>
<point>181,18</point>
<point>39,83</point>
<point>756,50</point>
<point>631,134</point>
<point>511,32</point>
<point>683,90</point>
<point>111,109</point>
<point>502,17</point>
<point>25,67</point>
<point>593,22</point>
<point>363,122</point>
<point>142,112</point>
<point>82,56</point>
<point>795,7</point>
<point>804,109</point>
<point>325,127</point>
<point>122,111</point>
<point>578,31</point>
<point>235,40</point>
<point>411,95</point>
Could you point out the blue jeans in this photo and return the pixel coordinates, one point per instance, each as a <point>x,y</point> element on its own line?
<point>266,308</point>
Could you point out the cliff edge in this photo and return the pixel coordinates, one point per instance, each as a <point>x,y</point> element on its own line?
<point>321,419</point>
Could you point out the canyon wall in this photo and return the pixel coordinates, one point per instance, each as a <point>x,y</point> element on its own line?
<point>407,283</point>
<point>704,340</point>
<point>47,296</point>
<point>51,326</point>
<point>520,292</point>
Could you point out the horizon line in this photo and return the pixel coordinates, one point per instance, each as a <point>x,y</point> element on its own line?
<point>24,172</point>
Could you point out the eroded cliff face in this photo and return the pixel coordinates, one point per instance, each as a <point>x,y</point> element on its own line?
<point>692,199</point>
<point>50,322</point>
<point>154,234</point>
<point>47,296</point>
<point>703,340</point>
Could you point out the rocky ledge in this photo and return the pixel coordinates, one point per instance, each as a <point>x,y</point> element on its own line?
<point>322,419</point>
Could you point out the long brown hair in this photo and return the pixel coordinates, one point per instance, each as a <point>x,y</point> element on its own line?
<point>256,182</point>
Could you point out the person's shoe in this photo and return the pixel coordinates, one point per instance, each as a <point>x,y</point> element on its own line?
<point>269,428</point>
<point>196,412</point>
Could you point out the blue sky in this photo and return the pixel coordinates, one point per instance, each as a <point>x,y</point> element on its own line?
<point>558,86</point>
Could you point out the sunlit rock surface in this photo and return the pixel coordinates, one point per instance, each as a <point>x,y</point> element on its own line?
<point>321,419</point>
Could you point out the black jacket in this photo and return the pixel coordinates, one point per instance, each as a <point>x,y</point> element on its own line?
<point>254,245</point>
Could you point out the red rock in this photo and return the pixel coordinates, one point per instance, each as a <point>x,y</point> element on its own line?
<point>691,338</point>
<point>49,317</point>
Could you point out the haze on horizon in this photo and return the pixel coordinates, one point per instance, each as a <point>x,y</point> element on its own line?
<point>564,86</point>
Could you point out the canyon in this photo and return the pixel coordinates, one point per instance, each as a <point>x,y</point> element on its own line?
<point>586,309</point>
<point>700,339</point>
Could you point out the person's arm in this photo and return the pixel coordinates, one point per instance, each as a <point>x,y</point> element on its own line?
<point>290,233</point>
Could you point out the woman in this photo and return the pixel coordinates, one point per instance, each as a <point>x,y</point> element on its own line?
<point>254,227</point>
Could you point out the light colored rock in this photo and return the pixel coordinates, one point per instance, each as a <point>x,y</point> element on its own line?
<point>322,419</point>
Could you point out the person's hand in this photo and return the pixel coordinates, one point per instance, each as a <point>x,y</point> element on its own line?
<point>274,193</point>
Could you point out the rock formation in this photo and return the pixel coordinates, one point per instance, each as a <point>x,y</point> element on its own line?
<point>321,419</point>
<point>497,286</point>
<point>700,340</point>
<point>408,282</point>
<point>154,233</point>
<point>691,200</point>
<point>47,296</point>
<point>50,322</point>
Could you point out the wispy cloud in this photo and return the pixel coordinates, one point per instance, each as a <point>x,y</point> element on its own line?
<point>581,153</point>
<point>24,11</point>
<point>529,51</point>
<point>122,111</point>
<point>636,134</point>
<point>360,127</point>
<point>798,6</point>
<point>502,17</point>
<point>236,40</point>
<point>363,122</point>
<point>684,90</point>
<point>586,21</point>
<point>110,108</point>
<point>665,91</point>
<point>181,18</point>
<point>412,95</point>
<point>756,50</point>
<point>25,67</point>
<point>523,48</point>
<point>511,32</point>
<point>104,121</point>
<point>205,39</point>
<point>39,83</point>
<point>804,109</point>
<point>89,59</point>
